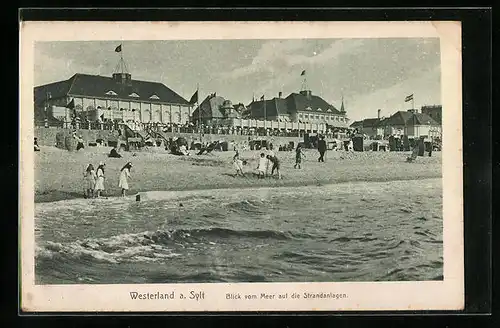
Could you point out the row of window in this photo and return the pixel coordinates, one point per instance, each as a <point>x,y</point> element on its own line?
<point>323,117</point>
<point>134,95</point>
<point>319,109</point>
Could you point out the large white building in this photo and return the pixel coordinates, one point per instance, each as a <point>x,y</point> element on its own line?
<point>110,98</point>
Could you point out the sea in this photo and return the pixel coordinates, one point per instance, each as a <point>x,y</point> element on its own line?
<point>360,231</point>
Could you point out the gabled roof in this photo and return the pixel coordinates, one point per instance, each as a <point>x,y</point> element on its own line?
<point>399,118</point>
<point>370,122</point>
<point>356,124</point>
<point>213,107</point>
<point>421,119</point>
<point>98,86</point>
<point>56,90</point>
<point>273,108</point>
<point>300,102</point>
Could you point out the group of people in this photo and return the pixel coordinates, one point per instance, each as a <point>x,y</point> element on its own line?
<point>271,162</point>
<point>95,180</point>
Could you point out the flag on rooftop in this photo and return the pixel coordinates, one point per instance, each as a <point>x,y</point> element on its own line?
<point>262,98</point>
<point>408,98</point>
<point>303,73</point>
<point>119,48</point>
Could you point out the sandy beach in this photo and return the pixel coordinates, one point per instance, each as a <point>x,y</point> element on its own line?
<point>59,173</point>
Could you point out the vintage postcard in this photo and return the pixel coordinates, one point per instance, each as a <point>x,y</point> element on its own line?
<point>241,166</point>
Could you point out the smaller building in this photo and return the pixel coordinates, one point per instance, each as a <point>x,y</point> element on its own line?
<point>216,110</point>
<point>412,124</point>
<point>434,111</point>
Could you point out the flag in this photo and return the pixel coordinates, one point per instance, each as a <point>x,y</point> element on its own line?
<point>119,48</point>
<point>194,98</point>
<point>408,98</point>
<point>262,98</point>
<point>71,104</point>
<point>303,73</point>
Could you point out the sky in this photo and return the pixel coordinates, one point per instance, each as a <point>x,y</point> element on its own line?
<point>369,74</point>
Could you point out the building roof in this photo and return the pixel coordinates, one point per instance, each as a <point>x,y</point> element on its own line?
<point>370,122</point>
<point>356,124</point>
<point>421,119</point>
<point>106,87</point>
<point>399,118</point>
<point>303,102</point>
<point>214,106</point>
<point>273,108</point>
<point>293,103</point>
<point>56,90</point>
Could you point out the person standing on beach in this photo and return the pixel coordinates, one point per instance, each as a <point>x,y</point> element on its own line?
<point>276,165</point>
<point>124,177</point>
<point>99,184</point>
<point>321,149</point>
<point>298,156</point>
<point>80,144</point>
<point>238,164</point>
<point>262,167</point>
<point>90,180</point>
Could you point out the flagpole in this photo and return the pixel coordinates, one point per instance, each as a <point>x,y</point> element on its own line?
<point>199,108</point>
<point>413,102</point>
<point>265,116</point>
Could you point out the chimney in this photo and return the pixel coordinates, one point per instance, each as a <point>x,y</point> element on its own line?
<point>378,113</point>
<point>279,94</point>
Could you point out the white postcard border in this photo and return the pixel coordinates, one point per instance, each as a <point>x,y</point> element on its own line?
<point>428,295</point>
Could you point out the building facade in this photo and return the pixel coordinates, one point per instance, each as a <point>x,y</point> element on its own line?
<point>117,98</point>
<point>302,107</point>
<point>434,111</point>
<point>411,124</point>
<point>216,110</point>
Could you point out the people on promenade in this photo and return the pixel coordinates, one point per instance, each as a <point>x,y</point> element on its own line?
<point>90,180</point>
<point>299,153</point>
<point>99,185</point>
<point>321,149</point>
<point>124,177</point>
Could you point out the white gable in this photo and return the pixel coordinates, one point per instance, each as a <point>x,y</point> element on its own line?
<point>135,95</point>
<point>154,97</point>
<point>319,110</point>
<point>111,93</point>
<point>328,110</point>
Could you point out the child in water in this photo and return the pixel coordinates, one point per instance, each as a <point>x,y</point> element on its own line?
<point>124,177</point>
<point>262,167</point>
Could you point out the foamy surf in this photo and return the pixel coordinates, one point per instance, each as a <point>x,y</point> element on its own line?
<point>315,233</point>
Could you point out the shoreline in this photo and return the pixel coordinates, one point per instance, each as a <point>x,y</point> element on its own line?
<point>56,196</point>
<point>59,174</point>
